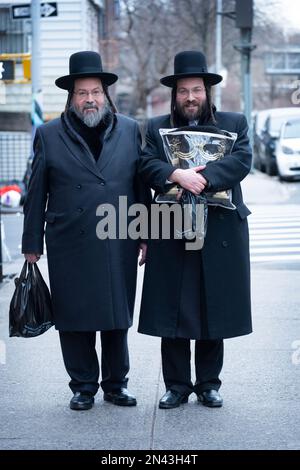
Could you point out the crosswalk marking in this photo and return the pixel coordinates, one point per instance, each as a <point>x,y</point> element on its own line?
<point>275,224</point>
<point>260,242</point>
<point>282,249</point>
<point>265,259</point>
<point>274,234</point>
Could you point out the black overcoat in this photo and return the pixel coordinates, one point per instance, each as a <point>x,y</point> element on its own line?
<point>200,294</point>
<point>92,281</point>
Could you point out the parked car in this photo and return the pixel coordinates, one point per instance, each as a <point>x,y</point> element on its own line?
<point>288,150</point>
<point>265,159</point>
<point>259,121</point>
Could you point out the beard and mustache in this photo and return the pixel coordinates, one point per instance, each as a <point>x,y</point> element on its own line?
<point>90,118</point>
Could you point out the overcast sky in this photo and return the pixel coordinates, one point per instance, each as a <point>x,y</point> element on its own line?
<point>285,12</point>
<point>291,11</point>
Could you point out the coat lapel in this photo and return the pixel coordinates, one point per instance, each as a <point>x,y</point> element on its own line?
<point>81,153</point>
<point>110,141</point>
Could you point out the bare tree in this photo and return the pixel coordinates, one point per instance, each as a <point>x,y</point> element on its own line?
<point>153,31</point>
<point>147,44</point>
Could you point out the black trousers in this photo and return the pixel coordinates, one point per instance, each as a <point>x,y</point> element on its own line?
<point>176,364</point>
<point>81,360</point>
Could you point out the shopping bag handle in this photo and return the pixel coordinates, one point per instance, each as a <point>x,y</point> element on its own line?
<point>23,274</point>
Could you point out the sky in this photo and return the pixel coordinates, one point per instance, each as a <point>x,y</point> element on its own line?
<point>285,12</point>
<point>291,10</point>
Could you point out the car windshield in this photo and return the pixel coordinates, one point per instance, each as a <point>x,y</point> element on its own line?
<point>275,124</point>
<point>292,130</point>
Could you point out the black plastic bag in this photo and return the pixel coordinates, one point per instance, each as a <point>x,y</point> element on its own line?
<point>30,311</point>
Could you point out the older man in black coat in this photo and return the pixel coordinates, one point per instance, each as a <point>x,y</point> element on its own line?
<point>84,159</point>
<point>202,295</point>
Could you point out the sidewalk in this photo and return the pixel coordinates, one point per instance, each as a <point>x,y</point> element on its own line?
<point>261,189</point>
<point>261,385</point>
<point>260,389</point>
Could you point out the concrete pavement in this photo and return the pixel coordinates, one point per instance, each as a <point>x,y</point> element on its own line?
<point>261,382</point>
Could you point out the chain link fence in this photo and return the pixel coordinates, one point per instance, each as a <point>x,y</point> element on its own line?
<point>15,149</point>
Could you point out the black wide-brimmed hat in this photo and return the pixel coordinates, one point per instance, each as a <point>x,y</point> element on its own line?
<point>190,64</point>
<point>83,65</point>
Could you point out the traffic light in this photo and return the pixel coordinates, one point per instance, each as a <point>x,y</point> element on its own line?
<point>26,61</point>
<point>15,67</point>
<point>244,13</point>
<point>7,68</point>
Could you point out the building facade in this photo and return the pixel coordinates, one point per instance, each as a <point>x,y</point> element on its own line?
<point>79,25</point>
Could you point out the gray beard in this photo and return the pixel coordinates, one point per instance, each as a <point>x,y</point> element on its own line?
<point>91,119</point>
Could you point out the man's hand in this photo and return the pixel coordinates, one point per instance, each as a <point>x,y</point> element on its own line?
<point>143,253</point>
<point>189,179</point>
<point>32,257</point>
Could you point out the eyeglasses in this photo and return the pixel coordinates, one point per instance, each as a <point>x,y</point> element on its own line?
<point>85,94</point>
<point>184,92</point>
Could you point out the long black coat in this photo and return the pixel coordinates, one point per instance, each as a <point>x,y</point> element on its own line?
<point>92,281</point>
<point>200,294</point>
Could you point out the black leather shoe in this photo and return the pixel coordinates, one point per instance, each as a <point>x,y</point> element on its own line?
<point>82,401</point>
<point>210,398</point>
<point>120,397</point>
<point>172,399</point>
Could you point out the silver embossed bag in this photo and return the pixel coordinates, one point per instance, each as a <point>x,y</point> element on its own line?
<point>190,147</point>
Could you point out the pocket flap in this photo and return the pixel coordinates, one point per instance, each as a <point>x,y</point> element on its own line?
<point>243,211</point>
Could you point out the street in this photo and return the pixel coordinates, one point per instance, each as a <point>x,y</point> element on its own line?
<point>261,381</point>
<point>274,223</point>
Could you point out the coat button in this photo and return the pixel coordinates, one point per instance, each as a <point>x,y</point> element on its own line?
<point>102,183</point>
<point>81,232</point>
<point>79,209</point>
<point>225,244</point>
<point>78,186</point>
<point>221,216</point>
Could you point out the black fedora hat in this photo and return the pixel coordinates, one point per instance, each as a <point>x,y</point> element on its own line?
<point>190,64</point>
<point>83,65</point>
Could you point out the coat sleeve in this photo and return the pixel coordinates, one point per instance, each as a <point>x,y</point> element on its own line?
<point>35,202</point>
<point>153,170</point>
<point>232,169</point>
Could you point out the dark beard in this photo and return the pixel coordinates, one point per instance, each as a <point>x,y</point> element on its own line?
<point>203,116</point>
<point>186,116</point>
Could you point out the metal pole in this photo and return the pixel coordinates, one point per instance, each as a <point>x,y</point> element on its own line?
<point>36,46</point>
<point>36,117</point>
<point>218,89</point>
<point>1,265</point>
<point>149,107</point>
<point>246,77</point>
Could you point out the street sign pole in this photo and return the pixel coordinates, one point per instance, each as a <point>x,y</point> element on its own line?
<point>1,264</point>
<point>35,63</point>
<point>246,76</point>
<point>23,11</point>
<point>244,21</point>
<point>218,90</point>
